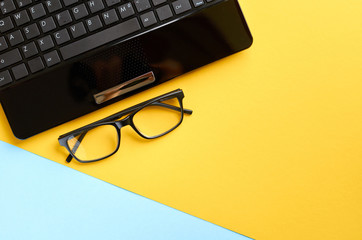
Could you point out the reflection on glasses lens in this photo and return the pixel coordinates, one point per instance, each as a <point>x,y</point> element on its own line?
<point>158,118</point>
<point>95,143</point>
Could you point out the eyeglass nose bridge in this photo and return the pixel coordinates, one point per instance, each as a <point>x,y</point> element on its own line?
<point>124,122</point>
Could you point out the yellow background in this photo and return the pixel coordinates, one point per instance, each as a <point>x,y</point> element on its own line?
<point>274,147</point>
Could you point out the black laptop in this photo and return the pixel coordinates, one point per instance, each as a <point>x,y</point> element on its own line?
<point>61,59</point>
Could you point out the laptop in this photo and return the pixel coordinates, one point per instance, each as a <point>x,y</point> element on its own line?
<point>62,59</point>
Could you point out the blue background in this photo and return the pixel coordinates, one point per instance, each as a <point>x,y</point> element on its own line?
<point>41,199</point>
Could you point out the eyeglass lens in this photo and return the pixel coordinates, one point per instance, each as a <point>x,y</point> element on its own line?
<point>96,143</point>
<point>157,119</point>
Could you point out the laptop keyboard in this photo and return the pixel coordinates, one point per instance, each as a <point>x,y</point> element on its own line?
<point>36,35</point>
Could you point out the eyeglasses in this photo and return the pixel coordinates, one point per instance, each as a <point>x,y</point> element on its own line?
<point>150,119</point>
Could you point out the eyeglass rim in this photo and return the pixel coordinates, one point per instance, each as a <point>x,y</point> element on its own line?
<point>133,125</point>
<point>66,139</point>
<point>117,125</point>
<point>110,120</point>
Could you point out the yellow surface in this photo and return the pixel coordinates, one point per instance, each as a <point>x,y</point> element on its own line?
<point>274,147</point>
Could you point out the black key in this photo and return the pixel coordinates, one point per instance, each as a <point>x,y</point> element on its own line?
<point>53,5</point>
<point>112,2</point>
<point>100,38</point>
<point>126,10</point>
<point>31,31</point>
<point>77,30</point>
<point>37,11</point>
<point>6,24</point>
<point>142,5</point>
<point>158,2</point>
<point>93,23</point>
<point>181,6</point>
<point>51,58</point>
<point>164,12</point>
<point>79,11</point>
<point>29,50</point>
<point>63,18</point>
<point>45,43</point>
<point>15,38</point>
<point>61,36</point>
<point>21,18</point>
<point>23,3</point>
<point>69,2</point>
<point>5,78</point>
<point>198,3</point>
<point>95,5</point>
<point>47,24</point>
<point>148,19</point>
<point>36,65</point>
<point>9,58</point>
<point>7,6</point>
<point>20,71</point>
<point>110,17</point>
<point>3,44</point>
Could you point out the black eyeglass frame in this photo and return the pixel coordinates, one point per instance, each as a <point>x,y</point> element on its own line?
<point>118,124</point>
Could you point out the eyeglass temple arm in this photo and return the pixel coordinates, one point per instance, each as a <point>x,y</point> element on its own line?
<point>187,111</point>
<point>119,115</point>
<point>133,108</point>
<point>136,107</point>
<point>75,148</point>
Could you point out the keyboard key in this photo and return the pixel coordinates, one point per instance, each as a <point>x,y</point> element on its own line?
<point>77,30</point>
<point>61,36</point>
<point>64,18</point>
<point>21,18</point>
<point>95,5</point>
<point>6,24</point>
<point>23,3</point>
<point>15,38</point>
<point>47,24</point>
<point>110,17</point>
<point>53,5</point>
<point>100,38</point>
<point>29,50</point>
<point>37,11</point>
<point>36,65</point>
<point>198,3</point>
<point>126,10</point>
<point>148,19</point>
<point>9,58</point>
<point>79,11</point>
<point>45,43</point>
<point>20,71</point>
<point>31,31</point>
<point>158,2</point>
<point>3,44</point>
<point>142,5</point>
<point>93,23</point>
<point>112,2</point>
<point>164,12</point>
<point>5,78</point>
<point>7,6</point>
<point>181,6</point>
<point>51,58</point>
<point>69,2</point>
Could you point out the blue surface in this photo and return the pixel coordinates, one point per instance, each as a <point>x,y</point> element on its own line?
<point>41,199</point>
